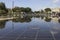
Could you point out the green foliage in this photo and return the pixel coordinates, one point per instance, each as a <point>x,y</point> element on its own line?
<point>42,11</point>
<point>47,9</point>
<point>2,6</point>
<point>28,9</point>
<point>16,9</point>
<point>3,9</point>
<point>37,12</point>
<point>21,9</point>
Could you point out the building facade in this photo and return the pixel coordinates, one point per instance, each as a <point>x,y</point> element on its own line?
<point>57,10</point>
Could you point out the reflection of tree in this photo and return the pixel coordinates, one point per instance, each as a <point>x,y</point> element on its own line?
<point>37,16</point>
<point>47,19</point>
<point>59,20</point>
<point>58,14</point>
<point>2,24</point>
<point>42,17</point>
<point>25,19</point>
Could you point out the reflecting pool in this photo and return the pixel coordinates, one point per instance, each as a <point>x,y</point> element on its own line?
<point>30,28</point>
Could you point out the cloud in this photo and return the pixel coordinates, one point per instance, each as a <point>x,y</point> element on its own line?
<point>55,1</point>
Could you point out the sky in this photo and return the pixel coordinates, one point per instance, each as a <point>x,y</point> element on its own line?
<point>35,5</point>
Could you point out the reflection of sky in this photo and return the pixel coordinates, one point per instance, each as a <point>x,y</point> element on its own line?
<point>55,28</point>
<point>36,23</point>
<point>34,4</point>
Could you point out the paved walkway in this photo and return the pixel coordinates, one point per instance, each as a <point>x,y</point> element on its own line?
<point>7,18</point>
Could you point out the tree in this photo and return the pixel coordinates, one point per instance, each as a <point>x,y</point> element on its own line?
<point>21,9</point>
<point>47,10</point>
<point>37,12</point>
<point>16,9</point>
<point>3,9</point>
<point>42,11</point>
<point>2,6</point>
<point>27,10</point>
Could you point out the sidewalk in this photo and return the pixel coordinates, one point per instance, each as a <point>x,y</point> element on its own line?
<point>8,18</point>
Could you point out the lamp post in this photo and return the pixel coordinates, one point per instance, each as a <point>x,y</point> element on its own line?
<point>12,15</point>
<point>12,7</point>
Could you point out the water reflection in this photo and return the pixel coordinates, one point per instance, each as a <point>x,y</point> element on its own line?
<point>2,24</point>
<point>28,19</point>
<point>24,19</point>
<point>47,19</point>
<point>42,17</point>
<point>59,20</point>
<point>35,27</point>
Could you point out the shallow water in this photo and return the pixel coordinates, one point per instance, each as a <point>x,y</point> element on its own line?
<point>29,29</point>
